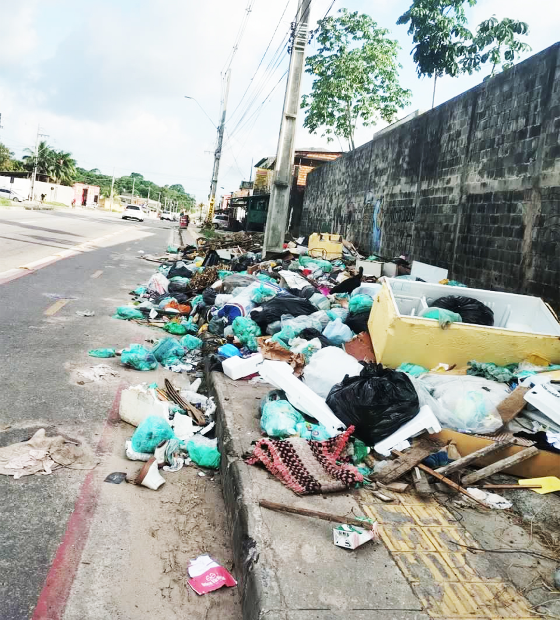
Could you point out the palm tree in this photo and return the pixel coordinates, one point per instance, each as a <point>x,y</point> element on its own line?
<point>64,168</point>
<point>57,165</point>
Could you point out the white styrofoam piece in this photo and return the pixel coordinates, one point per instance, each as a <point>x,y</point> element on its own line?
<point>280,375</point>
<point>425,420</point>
<point>138,402</point>
<point>371,268</point>
<point>236,367</point>
<point>520,313</point>
<point>428,273</point>
<point>546,399</point>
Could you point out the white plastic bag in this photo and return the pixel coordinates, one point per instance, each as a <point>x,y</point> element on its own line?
<point>328,367</point>
<point>467,404</point>
<point>337,332</point>
<point>158,283</point>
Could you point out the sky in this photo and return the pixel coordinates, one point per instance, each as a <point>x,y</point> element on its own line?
<point>106,80</point>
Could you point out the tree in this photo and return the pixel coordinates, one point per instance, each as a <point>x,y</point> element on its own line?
<point>7,161</point>
<point>178,188</point>
<point>356,77</point>
<point>445,46</point>
<point>57,165</point>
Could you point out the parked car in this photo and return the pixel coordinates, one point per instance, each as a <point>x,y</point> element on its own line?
<point>133,212</point>
<point>10,194</point>
<point>220,221</point>
<point>167,215</point>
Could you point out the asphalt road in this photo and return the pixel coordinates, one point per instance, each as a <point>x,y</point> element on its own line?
<point>43,343</point>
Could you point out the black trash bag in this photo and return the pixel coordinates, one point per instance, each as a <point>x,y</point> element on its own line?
<point>283,304</point>
<point>471,310</point>
<point>377,402</point>
<point>241,263</point>
<point>305,293</point>
<point>183,298</point>
<point>309,333</point>
<point>358,322</point>
<point>209,296</point>
<point>211,259</point>
<point>181,269</point>
<point>177,286</point>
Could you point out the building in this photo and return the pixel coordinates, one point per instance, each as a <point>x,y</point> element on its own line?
<point>305,160</point>
<point>86,195</point>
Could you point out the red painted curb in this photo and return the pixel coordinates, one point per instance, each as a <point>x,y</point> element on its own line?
<point>58,584</point>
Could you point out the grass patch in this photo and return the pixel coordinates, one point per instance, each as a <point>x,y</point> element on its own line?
<point>57,204</point>
<point>209,233</point>
<point>5,202</point>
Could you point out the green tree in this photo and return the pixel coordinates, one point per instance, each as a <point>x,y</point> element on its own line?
<point>443,44</point>
<point>7,161</point>
<point>57,165</point>
<point>356,77</point>
<point>178,188</point>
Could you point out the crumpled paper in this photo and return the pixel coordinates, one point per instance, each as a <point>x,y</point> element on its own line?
<point>272,350</point>
<point>42,455</point>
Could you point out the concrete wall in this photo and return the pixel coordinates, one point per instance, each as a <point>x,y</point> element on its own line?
<point>54,192</point>
<point>472,186</point>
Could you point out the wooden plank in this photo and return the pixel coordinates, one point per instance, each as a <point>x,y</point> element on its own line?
<point>421,483</point>
<point>445,480</point>
<point>419,451</point>
<point>305,512</point>
<point>500,465</point>
<point>511,406</point>
<point>470,458</point>
<point>397,487</point>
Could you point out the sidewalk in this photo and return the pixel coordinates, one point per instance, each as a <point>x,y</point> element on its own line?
<point>289,568</point>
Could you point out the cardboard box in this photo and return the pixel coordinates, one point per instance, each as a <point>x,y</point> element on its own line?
<point>523,326</point>
<point>350,536</point>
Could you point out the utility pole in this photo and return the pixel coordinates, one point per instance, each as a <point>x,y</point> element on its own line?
<point>279,205</point>
<point>112,186</point>
<point>148,203</point>
<point>36,156</point>
<point>133,182</point>
<point>251,171</point>
<point>218,153</point>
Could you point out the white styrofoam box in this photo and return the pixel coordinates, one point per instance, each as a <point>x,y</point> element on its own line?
<point>371,268</point>
<point>351,536</point>
<point>546,399</point>
<point>520,313</point>
<point>237,367</point>
<point>389,270</point>
<point>428,273</point>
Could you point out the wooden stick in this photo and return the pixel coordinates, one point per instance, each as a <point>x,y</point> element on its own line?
<point>305,512</point>
<point>422,448</point>
<point>421,483</point>
<point>500,465</point>
<point>509,486</point>
<point>467,460</point>
<point>445,480</point>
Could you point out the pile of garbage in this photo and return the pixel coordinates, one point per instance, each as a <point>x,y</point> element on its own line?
<point>299,322</point>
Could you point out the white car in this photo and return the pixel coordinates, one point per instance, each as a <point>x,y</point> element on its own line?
<point>220,221</point>
<point>11,195</point>
<point>166,215</point>
<point>133,212</point>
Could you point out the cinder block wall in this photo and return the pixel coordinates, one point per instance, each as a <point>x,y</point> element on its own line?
<point>473,185</point>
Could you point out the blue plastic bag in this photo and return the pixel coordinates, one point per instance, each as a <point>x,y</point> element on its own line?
<point>167,349</point>
<point>337,332</point>
<point>191,342</point>
<point>151,432</point>
<point>126,313</point>
<point>316,432</point>
<point>229,350</point>
<point>278,416</point>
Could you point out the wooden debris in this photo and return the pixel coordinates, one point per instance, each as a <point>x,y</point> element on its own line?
<point>512,406</point>
<point>470,458</point>
<point>419,451</point>
<point>500,465</point>
<point>421,483</point>
<point>396,487</point>
<point>509,486</point>
<point>445,480</point>
<point>369,461</point>
<point>305,512</point>
<point>382,496</point>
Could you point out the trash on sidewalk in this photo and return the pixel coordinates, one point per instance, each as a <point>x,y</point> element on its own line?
<point>44,455</point>
<point>116,477</point>
<point>149,475</point>
<point>204,451</point>
<point>95,373</point>
<point>139,402</point>
<point>307,467</point>
<point>492,500</point>
<point>102,353</point>
<point>351,536</point>
<point>548,484</point>
<point>207,575</point>
<point>85,312</point>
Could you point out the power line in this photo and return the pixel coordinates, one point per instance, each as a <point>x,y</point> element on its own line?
<point>239,36</point>
<point>263,56</point>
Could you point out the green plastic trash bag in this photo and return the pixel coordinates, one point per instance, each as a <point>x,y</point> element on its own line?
<point>413,369</point>
<point>180,279</point>
<point>172,249</point>
<point>139,290</point>
<point>502,374</point>
<point>263,277</point>
<point>191,342</point>
<point>151,432</point>
<point>360,303</point>
<point>197,301</point>
<point>246,331</point>
<point>315,263</point>
<point>360,451</point>
<point>126,313</point>
<point>222,274</point>
<point>278,416</point>
<point>315,432</point>
<point>190,326</point>
<point>204,451</point>
<point>102,352</point>
<point>139,358</point>
<point>167,350</point>
<point>262,293</point>
<point>444,317</point>
<point>175,328</point>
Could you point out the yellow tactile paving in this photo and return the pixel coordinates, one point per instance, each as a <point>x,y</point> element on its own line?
<point>451,581</point>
